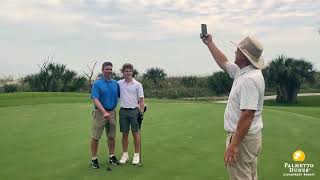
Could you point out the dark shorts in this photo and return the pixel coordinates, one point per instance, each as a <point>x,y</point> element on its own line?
<point>129,118</point>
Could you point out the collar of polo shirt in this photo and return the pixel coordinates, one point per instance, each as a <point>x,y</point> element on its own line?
<point>104,78</point>
<point>129,82</point>
<point>246,69</point>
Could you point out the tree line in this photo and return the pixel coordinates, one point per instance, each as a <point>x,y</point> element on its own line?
<point>283,76</point>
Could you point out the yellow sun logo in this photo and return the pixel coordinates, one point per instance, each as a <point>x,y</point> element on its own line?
<point>298,155</point>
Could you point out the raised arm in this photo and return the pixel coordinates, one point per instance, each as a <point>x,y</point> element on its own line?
<point>218,55</point>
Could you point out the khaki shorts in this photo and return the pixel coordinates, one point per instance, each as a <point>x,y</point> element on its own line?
<point>245,167</point>
<point>99,123</point>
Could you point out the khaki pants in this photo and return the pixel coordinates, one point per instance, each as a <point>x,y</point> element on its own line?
<point>99,123</point>
<point>245,167</point>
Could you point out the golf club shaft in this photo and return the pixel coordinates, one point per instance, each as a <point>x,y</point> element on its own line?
<point>140,146</point>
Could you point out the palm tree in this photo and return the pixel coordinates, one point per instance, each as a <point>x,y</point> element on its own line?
<point>56,72</point>
<point>287,75</point>
<point>154,74</point>
<point>67,78</point>
<point>54,77</point>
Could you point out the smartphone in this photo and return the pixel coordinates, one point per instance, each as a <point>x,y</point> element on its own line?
<point>203,30</point>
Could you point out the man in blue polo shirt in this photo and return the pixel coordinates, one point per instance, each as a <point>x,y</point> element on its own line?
<point>105,93</point>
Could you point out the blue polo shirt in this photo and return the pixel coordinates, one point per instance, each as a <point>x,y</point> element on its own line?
<point>107,92</point>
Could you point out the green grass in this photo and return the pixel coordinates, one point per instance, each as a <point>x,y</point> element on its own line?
<point>309,105</point>
<point>309,90</point>
<point>303,101</point>
<point>46,136</point>
<point>36,98</point>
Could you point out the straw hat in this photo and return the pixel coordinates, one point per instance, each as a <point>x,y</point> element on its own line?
<point>252,49</point>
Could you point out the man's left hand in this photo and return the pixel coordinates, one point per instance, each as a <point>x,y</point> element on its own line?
<point>230,156</point>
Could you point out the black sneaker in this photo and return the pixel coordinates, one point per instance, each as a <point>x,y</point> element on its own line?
<point>113,160</point>
<point>95,163</point>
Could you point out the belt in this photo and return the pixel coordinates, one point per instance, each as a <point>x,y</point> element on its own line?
<point>106,109</point>
<point>129,108</point>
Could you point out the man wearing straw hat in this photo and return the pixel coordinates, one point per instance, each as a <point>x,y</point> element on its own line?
<point>242,118</point>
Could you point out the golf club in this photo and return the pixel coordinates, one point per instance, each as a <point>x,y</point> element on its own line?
<point>140,124</point>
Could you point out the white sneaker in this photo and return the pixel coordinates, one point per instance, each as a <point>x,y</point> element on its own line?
<point>124,158</point>
<point>136,159</point>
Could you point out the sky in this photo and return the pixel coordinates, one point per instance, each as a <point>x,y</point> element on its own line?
<point>151,33</point>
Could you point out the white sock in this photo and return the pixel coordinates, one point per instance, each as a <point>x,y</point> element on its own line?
<point>111,155</point>
<point>95,158</point>
<point>136,154</point>
<point>125,153</point>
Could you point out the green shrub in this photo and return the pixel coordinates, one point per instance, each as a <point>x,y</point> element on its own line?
<point>189,81</point>
<point>194,81</point>
<point>10,88</point>
<point>220,82</point>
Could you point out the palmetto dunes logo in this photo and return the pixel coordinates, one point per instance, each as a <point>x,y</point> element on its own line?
<point>299,167</point>
<point>298,155</point>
